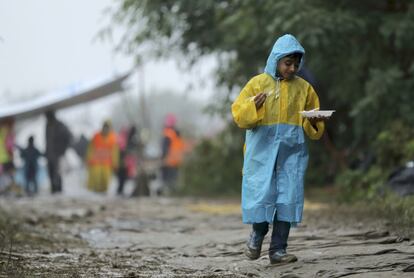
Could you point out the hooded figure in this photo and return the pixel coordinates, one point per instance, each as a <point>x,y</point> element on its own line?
<point>58,140</point>
<point>276,155</point>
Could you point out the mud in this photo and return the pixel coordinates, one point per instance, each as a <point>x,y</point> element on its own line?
<point>182,237</point>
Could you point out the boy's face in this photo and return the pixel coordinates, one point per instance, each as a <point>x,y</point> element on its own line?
<point>288,67</point>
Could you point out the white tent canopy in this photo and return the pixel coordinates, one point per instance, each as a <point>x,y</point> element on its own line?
<point>69,97</point>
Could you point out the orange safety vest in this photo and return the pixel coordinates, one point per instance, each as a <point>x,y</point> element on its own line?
<point>102,150</point>
<point>176,149</point>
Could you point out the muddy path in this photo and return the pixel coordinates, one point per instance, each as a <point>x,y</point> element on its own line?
<point>176,237</point>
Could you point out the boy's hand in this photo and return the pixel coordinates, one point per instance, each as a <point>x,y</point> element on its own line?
<point>259,99</point>
<point>314,120</point>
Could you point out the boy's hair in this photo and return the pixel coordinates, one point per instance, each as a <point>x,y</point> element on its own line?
<point>296,55</point>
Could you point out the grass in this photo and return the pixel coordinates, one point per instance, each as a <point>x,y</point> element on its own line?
<point>397,211</point>
<point>17,240</point>
<point>9,228</point>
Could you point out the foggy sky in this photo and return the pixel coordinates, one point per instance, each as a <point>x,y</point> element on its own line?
<point>49,44</point>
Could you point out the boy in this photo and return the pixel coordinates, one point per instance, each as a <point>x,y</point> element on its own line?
<point>30,156</point>
<point>275,157</point>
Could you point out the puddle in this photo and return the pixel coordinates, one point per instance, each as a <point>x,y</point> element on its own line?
<point>96,237</point>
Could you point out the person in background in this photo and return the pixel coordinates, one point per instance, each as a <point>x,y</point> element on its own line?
<point>275,155</point>
<point>173,148</point>
<point>128,143</point>
<point>7,168</point>
<point>30,156</point>
<point>58,139</point>
<point>102,158</point>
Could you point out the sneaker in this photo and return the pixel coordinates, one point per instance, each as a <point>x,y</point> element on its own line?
<point>281,257</point>
<point>254,246</point>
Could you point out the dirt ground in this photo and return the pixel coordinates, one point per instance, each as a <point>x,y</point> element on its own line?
<point>63,236</point>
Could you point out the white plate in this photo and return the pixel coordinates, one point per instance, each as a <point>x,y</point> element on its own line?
<point>317,113</point>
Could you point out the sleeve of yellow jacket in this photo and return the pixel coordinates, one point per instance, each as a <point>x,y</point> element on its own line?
<point>243,109</point>
<point>312,102</point>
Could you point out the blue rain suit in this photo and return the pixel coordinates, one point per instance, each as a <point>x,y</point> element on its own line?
<point>275,156</point>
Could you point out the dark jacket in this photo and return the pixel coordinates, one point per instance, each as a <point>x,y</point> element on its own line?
<point>58,139</point>
<point>30,155</point>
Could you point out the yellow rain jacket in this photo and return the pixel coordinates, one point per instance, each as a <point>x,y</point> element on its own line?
<point>4,153</point>
<point>276,156</point>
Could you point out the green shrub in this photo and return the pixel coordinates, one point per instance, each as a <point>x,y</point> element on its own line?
<point>392,148</point>
<point>215,165</point>
<point>394,145</point>
<point>355,185</point>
